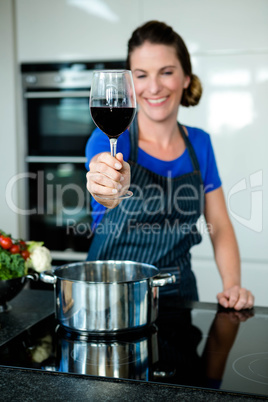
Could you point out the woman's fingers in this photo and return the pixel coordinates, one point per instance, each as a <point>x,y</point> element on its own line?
<point>106,165</point>
<point>245,300</point>
<point>237,298</point>
<point>98,183</point>
<point>109,160</point>
<point>108,175</point>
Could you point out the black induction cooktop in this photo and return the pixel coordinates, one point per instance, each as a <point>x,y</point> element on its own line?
<point>190,346</point>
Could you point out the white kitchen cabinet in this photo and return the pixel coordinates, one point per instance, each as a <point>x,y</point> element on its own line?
<point>95,29</point>
<point>67,30</point>
<point>8,100</point>
<point>214,25</point>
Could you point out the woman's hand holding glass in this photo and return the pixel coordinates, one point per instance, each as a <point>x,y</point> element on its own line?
<point>108,178</point>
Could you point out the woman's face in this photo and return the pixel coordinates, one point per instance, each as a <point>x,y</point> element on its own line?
<point>159,80</point>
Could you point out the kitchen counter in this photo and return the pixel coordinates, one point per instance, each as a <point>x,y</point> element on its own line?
<point>28,308</point>
<point>28,385</point>
<point>22,384</point>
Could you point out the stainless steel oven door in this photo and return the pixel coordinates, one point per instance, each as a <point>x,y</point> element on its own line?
<point>58,122</point>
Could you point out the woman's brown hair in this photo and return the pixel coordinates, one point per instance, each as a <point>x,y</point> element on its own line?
<point>157,32</point>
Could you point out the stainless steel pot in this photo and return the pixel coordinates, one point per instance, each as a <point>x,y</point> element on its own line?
<point>106,296</point>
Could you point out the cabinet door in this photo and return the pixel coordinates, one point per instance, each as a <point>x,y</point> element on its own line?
<point>74,30</point>
<point>210,25</point>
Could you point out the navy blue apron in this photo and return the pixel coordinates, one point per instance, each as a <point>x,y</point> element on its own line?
<point>158,224</point>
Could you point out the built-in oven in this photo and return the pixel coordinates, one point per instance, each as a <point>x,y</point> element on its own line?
<point>59,122</point>
<point>57,125</point>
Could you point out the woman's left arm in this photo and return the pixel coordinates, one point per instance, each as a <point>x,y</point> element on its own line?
<point>226,253</point>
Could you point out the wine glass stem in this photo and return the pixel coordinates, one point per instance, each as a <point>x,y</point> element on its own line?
<point>113,143</point>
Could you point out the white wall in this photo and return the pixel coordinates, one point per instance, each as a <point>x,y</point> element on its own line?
<point>8,118</point>
<point>228,42</point>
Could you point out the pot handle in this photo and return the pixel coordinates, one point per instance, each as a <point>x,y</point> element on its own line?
<point>48,277</point>
<point>34,276</point>
<point>163,279</point>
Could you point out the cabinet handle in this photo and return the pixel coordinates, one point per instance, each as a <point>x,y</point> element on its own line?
<point>57,94</point>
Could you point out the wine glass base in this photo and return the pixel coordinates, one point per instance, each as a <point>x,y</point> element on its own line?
<point>124,196</point>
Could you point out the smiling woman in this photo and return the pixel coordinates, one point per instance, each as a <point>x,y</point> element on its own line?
<point>165,158</point>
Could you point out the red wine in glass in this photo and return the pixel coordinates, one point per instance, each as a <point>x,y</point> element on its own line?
<point>113,121</point>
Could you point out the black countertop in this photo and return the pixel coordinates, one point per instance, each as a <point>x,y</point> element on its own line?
<point>28,308</point>
<point>30,385</point>
<point>17,384</point>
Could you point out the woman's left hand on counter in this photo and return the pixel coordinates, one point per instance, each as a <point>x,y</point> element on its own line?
<point>236,297</point>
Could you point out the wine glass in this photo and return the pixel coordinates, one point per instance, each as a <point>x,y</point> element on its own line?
<point>113,107</point>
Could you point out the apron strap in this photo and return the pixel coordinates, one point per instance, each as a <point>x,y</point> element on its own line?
<point>190,148</point>
<point>134,141</point>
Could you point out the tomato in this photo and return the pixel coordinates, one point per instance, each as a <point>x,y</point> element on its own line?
<point>6,242</point>
<point>25,254</point>
<point>15,249</point>
<point>23,245</point>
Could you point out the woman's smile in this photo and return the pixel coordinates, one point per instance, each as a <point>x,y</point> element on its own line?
<point>157,102</point>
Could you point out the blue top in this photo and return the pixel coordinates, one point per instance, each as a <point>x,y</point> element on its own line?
<point>99,142</point>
